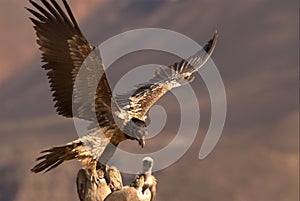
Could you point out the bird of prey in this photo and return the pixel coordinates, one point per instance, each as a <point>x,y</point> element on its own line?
<point>143,188</point>
<point>145,181</point>
<point>65,51</point>
<point>114,179</point>
<point>128,193</point>
<point>86,188</point>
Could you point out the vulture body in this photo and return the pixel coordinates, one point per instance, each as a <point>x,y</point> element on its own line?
<point>146,182</point>
<point>143,188</point>
<point>88,96</point>
<point>114,179</point>
<point>128,194</point>
<point>64,51</point>
<point>91,190</point>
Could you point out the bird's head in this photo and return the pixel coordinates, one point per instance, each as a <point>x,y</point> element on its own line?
<point>147,165</point>
<point>136,129</point>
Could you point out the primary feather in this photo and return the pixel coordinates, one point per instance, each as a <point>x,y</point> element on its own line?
<point>81,89</point>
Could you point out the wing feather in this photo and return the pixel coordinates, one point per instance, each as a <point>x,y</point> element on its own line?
<point>139,101</point>
<point>64,51</point>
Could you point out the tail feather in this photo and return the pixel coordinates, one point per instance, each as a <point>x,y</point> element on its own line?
<point>55,156</point>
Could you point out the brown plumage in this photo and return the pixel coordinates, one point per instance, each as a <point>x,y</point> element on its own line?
<point>114,179</point>
<point>91,190</point>
<point>128,194</point>
<point>87,95</point>
<point>143,188</point>
<point>139,101</point>
<point>55,156</point>
<point>146,181</point>
<point>65,52</point>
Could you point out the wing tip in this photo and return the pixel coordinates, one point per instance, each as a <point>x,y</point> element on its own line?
<point>210,46</point>
<point>216,35</point>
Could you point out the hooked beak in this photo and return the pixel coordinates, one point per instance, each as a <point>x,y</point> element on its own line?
<point>142,142</point>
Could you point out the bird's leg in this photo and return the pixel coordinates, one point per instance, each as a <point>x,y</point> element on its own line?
<point>91,171</point>
<point>104,158</point>
<point>94,178</point>
<point>102,170</point>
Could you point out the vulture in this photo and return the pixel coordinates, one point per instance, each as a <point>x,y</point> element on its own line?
<point>65,51</point>
<point>128,193</point>
<point>114,179</point>
<point>147,179</point>
<point>88,189</point>
<point>143,188</point>
<point>109,181</point>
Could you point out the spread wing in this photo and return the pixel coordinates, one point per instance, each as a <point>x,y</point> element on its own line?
<point>138,102</point>
<point>64,51</point>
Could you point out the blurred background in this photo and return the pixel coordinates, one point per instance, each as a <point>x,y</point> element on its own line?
<point>257,157</point>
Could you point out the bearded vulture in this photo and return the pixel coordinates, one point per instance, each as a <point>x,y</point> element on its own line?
<point>64,50</point>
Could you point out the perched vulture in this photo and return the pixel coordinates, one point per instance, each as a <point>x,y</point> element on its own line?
<point>114,179</point>
<point>65,51</point>
<point>89,190</point>
<point>128,194</point>
<point>142,189</point>
<point>146,178</point>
